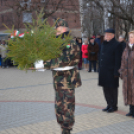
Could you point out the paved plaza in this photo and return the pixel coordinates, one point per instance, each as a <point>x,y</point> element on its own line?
<point>27,105</point>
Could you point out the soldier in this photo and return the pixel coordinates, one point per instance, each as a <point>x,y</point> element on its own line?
<point>65,78</point>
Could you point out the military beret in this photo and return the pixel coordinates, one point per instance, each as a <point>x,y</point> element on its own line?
<point>61,22</point>
<point>110,30</point>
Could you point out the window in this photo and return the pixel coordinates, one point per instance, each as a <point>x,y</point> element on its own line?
<point>23,3</point>
<point>43,1</point>
<point>27,17</point>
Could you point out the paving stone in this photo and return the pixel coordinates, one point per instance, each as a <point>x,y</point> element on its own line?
<point>26,105</point>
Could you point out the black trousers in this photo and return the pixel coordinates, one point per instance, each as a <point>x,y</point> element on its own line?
<point>4,62</point>
<point>94,65</point>
<point>111,96</point>
<point>131,109</point>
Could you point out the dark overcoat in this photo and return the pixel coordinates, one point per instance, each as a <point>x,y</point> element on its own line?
<point>127,74</point>
<point>110,61</point>
<point>95,49</point>
<point>123,45</point>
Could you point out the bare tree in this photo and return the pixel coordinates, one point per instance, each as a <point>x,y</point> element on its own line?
<point>118,14</point>
<point>24,9</point>
<point>93,22</point>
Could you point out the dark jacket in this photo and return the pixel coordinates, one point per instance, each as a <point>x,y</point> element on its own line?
<point>110,62</point>
<point>123,46</point>
<point>80,46</point>
<point>98,41</point>
<point>93,52</point>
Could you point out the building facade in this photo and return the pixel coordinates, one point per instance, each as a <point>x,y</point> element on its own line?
<point>18,12</point>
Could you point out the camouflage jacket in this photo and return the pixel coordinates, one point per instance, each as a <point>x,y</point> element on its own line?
<point>69,57</point>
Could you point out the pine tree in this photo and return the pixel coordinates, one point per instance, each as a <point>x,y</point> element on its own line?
<point>39,43</point>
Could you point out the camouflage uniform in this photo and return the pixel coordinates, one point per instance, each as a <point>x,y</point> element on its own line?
<point>64,83</point>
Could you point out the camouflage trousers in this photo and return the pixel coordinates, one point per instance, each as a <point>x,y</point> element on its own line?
<point>65,107</point>
<point>65,83</point>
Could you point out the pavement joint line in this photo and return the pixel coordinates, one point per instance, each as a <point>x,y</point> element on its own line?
<point>25,112</point>
<point>40,85</point>
<point>77,104</point>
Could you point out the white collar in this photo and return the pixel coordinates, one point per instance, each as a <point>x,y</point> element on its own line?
<point>131,45</point>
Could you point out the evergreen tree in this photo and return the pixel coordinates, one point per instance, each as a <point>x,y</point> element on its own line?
<point>39,43</point>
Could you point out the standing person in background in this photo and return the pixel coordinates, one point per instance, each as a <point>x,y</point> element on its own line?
<point>85,54</point>
<point>122,42</point>
<point>79,43</point>
<point>3,51</point>
<point>65,79</point>
<point>102,40</point>
<point>110,61</point>
<point>127,74</point>
<point>93,50</point>
<point>9,61</point>
<point>98,40</point>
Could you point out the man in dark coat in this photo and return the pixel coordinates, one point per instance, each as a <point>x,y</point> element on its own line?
<point>110,61</point>
<point>122,43</point>
<point>93,50</point>
<point>99,40</point>
<point>79,43</point>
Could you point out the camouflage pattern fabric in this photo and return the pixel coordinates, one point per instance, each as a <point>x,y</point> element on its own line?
<point>69,79</point>
<point>65,107</point>
<point>65,131</point>
<point>69,57</point>
<point>64,84</point>
<point>61,22</point>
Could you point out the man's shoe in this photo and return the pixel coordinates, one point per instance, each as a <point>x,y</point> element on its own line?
<point>133,116</point>
<point>129,114</point>
<point>131,111</point>
<point>111,110</point>
<point>105,109</point>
